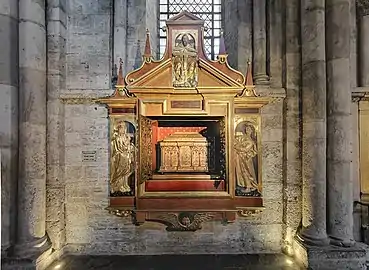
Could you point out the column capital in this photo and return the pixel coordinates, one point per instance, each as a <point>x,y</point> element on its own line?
<point>363,7</point>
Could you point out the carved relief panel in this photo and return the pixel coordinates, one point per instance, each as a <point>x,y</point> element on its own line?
<point>122,156</point>
<point>184,60</point>
<point>247,156</point>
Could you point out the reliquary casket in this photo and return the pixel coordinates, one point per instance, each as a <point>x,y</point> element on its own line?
<point>184,152</point>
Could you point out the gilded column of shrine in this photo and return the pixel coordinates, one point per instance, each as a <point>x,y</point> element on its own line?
<point>363,8</point>
<point>340,197</point>
<point>363,19</point>
<point>32,238</point>
<point>314,122</point>
<point>259,42</point>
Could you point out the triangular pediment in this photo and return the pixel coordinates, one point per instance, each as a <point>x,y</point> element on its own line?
<point>161,77</point>
<point>184,16</point>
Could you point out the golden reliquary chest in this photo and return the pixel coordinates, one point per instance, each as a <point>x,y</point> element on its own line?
<point>184,152</point>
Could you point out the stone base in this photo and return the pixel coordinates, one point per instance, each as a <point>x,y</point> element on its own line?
<point>261,79</point>
<point>330,257</point>
<point>39,263</point>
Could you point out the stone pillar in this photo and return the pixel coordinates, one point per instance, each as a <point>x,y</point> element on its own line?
<point>314,122</point>
<point>8,119</point>
<point>259,42</point>
<point>340,197</point>
<point>141,16</point>
<point>32,239</point>
<point>363,7</point>
<point>275,44</point>
<point>56,81</point>
<point>241,28</point>
<point>120,31</point>
<point>292,182</point>
<point>231,23</point>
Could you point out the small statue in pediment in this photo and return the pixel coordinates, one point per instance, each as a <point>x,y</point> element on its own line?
<point>184,61</point>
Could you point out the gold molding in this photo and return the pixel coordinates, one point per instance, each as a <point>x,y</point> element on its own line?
<point>250,211</point>
<point>119,212</point>
<point>363,149</point>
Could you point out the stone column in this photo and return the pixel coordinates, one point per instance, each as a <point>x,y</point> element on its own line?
<point>238,33</point>
<point>8,119</point>
<point>120,31</point>
<point>363,7</point>
<point>314,122</point>
<point>259,42</point>
<point>340,197</point>
<point>231,27</point>
<point>275,35</point>
<point>56,81</point>
<point>141,16</point>
<point>292,184</point>
<point>32,239</point>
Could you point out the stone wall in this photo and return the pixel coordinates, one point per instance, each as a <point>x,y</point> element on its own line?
<point>92,230</point>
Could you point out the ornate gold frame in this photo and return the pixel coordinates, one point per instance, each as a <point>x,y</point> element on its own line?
<point>149,92</point>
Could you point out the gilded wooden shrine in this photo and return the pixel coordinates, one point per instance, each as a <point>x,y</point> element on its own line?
<point>185,135</point>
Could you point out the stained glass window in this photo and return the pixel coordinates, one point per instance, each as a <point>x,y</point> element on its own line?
<point>208,10</point>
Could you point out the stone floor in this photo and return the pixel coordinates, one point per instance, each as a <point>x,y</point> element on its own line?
<point>177,262</point>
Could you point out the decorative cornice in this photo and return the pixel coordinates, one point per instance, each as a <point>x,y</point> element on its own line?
<point>78,100</point>
<point>274,94</point>
<point>363,7</point>
<point>360,94</point>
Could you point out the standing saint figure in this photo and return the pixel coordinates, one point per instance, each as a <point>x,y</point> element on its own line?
<point>245,150</point>
<point>122,159</point>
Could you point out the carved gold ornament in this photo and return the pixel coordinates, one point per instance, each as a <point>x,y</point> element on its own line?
<point>185,221</point>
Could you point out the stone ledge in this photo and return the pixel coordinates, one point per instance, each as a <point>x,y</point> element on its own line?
<point>330,257</point>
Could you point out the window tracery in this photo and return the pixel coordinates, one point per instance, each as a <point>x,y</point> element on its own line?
<point>208,10</point>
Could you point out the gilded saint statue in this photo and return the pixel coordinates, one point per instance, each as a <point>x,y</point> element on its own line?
<point>184,61</point>
<point>245,147</point>
<point>122,158</point>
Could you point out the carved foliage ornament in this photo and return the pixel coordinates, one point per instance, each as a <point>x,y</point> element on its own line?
<point>120,212</point>
<point>184,221</point>
<point>249,212</point>
<point>145,148</point>
<point>363,7</point>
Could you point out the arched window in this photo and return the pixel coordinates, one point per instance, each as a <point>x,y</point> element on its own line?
<point>208,10</point>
